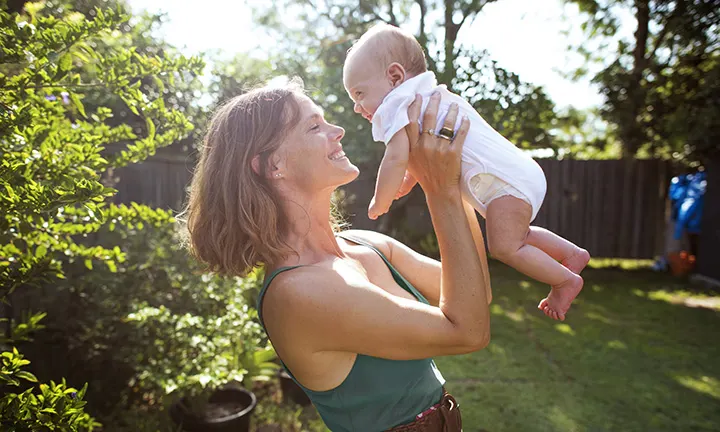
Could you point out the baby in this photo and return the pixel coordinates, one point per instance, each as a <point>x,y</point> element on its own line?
<point>383,72</point>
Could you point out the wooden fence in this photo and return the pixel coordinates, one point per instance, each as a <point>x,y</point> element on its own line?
<point>613,208</point>
<point>709,248</point>
<point>160,181</point>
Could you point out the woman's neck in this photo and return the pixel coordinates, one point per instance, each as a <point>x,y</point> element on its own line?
<point>310,233</point>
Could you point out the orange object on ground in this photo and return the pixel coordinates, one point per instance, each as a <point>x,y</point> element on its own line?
<point>681,263</point>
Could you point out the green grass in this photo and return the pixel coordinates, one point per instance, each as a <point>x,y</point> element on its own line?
<point>639,351</point>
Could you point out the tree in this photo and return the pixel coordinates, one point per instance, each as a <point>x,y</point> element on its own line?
<point>314,45</point>
<point>315,50</point>
<point>136,34</point>
<point>51,162</point>
<point>661,88</point>
<point>236,76</point>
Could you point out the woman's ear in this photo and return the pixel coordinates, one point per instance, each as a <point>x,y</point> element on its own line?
<point>255,164</point>
<point>276,166</point>
<point>272,171</point>
<point>396,74</point>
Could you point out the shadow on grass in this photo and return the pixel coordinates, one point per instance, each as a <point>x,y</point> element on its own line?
<point>628,358</point>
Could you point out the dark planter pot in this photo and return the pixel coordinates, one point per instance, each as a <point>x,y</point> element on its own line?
<point>291,391</point>
<point>231,412</point>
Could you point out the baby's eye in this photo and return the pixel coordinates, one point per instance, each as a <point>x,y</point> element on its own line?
<point>358,94</point>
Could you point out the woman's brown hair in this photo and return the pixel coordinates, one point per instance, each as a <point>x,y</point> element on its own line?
<point>233,215</point>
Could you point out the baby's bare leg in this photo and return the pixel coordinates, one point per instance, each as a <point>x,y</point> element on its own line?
<point>571,256</point>
<point>508,227</point>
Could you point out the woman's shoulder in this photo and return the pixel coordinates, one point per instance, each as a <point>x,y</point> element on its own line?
<point>298,276</point>
<point>301,286</point>
<point>305,282</point>
<point>379,241</point>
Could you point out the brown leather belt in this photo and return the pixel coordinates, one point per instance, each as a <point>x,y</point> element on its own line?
<point>441,417</point>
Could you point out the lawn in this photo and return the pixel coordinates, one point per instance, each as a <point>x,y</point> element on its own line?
<point>639,351</point>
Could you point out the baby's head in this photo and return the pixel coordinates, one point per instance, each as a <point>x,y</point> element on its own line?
<point>382,59</point>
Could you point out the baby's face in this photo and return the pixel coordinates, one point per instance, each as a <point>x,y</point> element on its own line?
<point>366,83</point>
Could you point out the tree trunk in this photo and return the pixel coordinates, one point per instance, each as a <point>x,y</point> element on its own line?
<point>451,32</point>
<point>423,38</point>
<point>633,136</point>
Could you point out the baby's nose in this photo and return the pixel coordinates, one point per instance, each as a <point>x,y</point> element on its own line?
<point>357,108</point>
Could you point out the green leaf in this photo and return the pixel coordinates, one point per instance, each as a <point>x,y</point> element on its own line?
<point>78,104</point>
<point>65,63</point>
<point>150,128</point>
<point>263,356</point>
<point>40,252</point>
<point>88,264</point>
<point>10,192</point>
<point>158,82</point>
<point>26,376</point>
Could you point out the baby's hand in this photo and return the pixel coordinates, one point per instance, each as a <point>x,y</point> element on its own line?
<point>376,210</point>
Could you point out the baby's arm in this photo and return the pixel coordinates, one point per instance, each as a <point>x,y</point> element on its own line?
<point>391,174</point>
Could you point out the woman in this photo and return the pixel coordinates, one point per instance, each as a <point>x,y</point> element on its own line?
<point>355,316</point>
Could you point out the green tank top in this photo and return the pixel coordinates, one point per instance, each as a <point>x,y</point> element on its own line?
<point>377,394</point>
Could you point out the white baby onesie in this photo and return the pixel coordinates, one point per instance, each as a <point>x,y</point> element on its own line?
<point>485,150</point>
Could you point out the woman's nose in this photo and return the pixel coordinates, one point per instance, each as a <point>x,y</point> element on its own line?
<point>337,133</point>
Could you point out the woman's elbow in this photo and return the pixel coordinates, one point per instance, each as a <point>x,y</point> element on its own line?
<point>476,341</point>
<point>470,336</point>
<point>481,342</point>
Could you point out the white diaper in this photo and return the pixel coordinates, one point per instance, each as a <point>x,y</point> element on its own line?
<point>487,187</point>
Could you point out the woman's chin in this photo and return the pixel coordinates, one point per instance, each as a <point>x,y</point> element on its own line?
<point>352,173</point>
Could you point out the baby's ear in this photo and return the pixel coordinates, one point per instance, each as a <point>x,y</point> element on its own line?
<point>396,74</point>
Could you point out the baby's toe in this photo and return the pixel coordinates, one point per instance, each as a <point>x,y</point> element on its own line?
<point>543,304</point>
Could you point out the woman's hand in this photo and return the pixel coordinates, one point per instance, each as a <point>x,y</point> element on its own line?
<point>435,161</point>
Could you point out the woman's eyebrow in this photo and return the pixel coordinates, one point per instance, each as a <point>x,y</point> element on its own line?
<point>316,116</point>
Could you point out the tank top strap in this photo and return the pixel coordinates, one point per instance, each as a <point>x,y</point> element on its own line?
<point>400,279</point>
<point>265,286</point>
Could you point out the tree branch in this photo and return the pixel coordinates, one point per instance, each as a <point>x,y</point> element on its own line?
<point>677,12</point>
<point>67,86</point>
<point>393,19</point>
<point>423,38</point>
<point>468,10</point>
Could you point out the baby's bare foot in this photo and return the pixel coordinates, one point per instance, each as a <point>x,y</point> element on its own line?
<point>577,261</point>
<point>560,298</point>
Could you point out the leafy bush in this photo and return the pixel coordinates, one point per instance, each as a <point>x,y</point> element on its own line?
<point>164,326</point>
<point>183,329</point>
<point>57,407</point>
<point>53,154</point>
<point>193,352</point>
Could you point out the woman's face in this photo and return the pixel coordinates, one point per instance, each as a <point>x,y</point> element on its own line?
<point>312,157</point>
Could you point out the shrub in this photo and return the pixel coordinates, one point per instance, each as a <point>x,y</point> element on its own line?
<point>52,157</point>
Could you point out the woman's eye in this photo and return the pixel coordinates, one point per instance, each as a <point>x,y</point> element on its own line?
<point>315,127</point>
